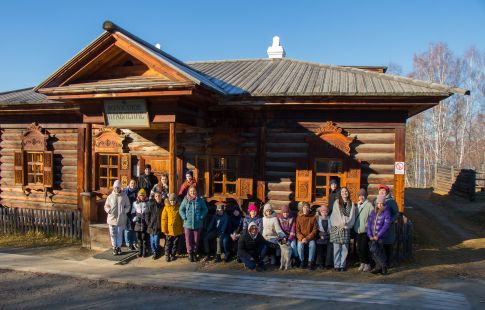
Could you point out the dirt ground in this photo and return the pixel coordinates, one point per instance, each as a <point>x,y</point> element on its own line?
<point>449,254</point>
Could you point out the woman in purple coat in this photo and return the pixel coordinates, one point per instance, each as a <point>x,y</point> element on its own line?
<point>377,226</point>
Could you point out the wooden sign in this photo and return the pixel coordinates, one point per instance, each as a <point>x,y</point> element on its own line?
<point>108,140</point>
<point>126,113</point>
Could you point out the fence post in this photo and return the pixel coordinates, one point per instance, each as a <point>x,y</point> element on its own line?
<point>89,214</point>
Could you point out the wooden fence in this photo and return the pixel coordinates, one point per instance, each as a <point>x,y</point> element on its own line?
<point>403,247</point>
<point>50,222</point>
<point>466,183</point>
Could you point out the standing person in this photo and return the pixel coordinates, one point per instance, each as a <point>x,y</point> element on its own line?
<point>153,218</point>
<point>117,205</point>
<point>189,182</point>
<point>139,210</point>
<point>377,227</point>
<point>172,227</point>
<point>216,229</point>
<point>306,231</point>
<point>287,223</point>
<point>251,248</point>
<point>390,236</point>
<point>234,228</point>
<point>130,237</point>
<point>192,211</point>
<point>333,195</point>
<point>272,232</point>
<point>161,187</point>
<point>324,246</point>
<point>252,217</point>
<point>364,208</point>
<point>147,180</point>
<point>342,221</point>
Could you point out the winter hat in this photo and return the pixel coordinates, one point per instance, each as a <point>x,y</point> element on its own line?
<point>116,183</point>
<point>363,192</point>
<point>268,206</point>
<point>380,199</point>
<point>252,207</point>
<point>285,209</point>
<point>172,196</point>
<point>333,181</point>
<point>142,192</point>
<point>251,225</point>
<point>384,187</point>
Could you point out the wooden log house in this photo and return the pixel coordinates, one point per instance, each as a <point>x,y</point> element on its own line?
<point>273,129</point>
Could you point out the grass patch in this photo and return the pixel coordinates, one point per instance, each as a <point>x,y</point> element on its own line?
<point>35,239</point>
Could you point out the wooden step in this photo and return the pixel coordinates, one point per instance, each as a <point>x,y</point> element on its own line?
<point>280,195</point>
<point>278,179</point>
<point>281,186</point>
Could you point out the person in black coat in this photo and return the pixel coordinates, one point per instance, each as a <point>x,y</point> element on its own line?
<point>153,218</point>
<point>234,228</point>
<point>148,180</point>
<point>333,195</point>
<point>252,248</point>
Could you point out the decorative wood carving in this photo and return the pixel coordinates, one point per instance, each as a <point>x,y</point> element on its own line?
<point>34,138</point>
<point>109,140</point>
<point>332,137</point>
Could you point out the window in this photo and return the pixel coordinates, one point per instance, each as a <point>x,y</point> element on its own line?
<point>108,169</point>
<point>326,170</point>
<point>224,175</point>
<point>35,168</point>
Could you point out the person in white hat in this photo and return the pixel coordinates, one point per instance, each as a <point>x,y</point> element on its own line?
<point>116,206</point>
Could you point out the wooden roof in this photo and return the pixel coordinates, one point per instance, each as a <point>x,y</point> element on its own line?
<point>23,96</point>
<point>289,77</point>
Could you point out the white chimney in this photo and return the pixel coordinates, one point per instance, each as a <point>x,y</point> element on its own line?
<point>158,45</point>
<point>276,50</point>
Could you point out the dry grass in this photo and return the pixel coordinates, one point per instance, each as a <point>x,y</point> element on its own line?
<point>33,240</point>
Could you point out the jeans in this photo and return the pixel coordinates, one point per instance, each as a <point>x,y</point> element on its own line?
<point>155,243</point>
<point>377,249</point>
<point>311,250</point>
<point>192,239</point>
<point>219,241</point>
<point>294,248</point>
<point>130,237</point>
<point>116,234</point>
<point>340,252</point>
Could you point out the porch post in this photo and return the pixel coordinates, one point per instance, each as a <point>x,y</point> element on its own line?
<point>172,180</point>
<point>400,156</point>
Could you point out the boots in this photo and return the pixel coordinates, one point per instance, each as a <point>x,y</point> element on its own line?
<point>218,258</point>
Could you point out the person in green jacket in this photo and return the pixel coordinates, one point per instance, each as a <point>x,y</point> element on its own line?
<point>364,208</point>
<point>192,211</point>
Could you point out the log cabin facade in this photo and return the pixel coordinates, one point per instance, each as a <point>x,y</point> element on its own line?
<point>274,130</point>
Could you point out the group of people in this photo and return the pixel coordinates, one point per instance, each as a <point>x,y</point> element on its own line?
<point>314,237</point>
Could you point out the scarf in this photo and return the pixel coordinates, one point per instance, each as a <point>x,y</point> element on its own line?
<point>189,197</point>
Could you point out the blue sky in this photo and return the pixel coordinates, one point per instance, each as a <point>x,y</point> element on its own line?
<point>37,37</point>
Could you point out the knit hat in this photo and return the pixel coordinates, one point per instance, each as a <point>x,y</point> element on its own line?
<point>172,196</point>
<point>268,206</point>
<point>252,207</point>
<point>142,192</point>
<point>333,181</point>
<point>363,192</point>
<point>380,199</point>
<point>116,183</point>
<point>384,187</point>
<point>285,209</point>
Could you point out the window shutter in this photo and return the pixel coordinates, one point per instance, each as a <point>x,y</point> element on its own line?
<point>48,171</point>
<point>304,178</point>
<point>19,172</point>
<point>245,177</point>
<point>352,179</point>
<point>125,169</point>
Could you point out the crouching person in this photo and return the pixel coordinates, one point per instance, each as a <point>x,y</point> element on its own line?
<point>251,248</point>
<point>377,227</point>
<point>217,230</point>
<point>153,215</point>
<point>172,227</point>
<point>117,205</point>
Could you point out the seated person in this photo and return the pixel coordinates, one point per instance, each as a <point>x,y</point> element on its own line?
<point>251,248</point>
<point>216,229</point>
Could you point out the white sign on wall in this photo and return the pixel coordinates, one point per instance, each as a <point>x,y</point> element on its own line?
<point>127,113</point>
<point>399,167</point>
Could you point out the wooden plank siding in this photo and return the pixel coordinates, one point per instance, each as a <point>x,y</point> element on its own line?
<point>65,193</point>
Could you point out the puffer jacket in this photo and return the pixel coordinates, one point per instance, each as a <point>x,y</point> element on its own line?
<point>117,205</point>
<point>193,213</point>
<point>172,224</point>
<point>306,227</point>
<point>378,223</point>
<point>271,228</point>
<point>248,247</point>
<point>218,223</point>
<point>390,237</point>
<point>288,225</point>
<point>248,220</point>
<point>139,210</point>
<point>153,217</point>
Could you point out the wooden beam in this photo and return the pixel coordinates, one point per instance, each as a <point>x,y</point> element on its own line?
<point>122,95</point>
<point>99,119</point>
<point>164,118</point>
<point>399,156</point>
<point>81,145</point>
<point>173,158</point>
